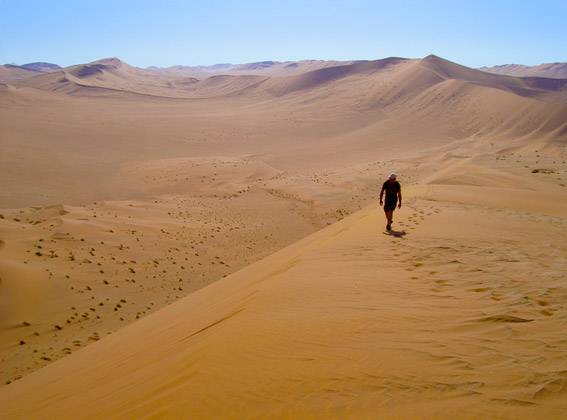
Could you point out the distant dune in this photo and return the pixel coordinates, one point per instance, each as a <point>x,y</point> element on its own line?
<point>551,70</point>
<point>113,76</point>
<point>11,72</point>
<point>348,113</point>
<point>207,242</point>
<point>42,66</point>
<point>263,68</point>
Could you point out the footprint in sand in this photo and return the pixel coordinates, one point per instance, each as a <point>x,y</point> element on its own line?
<point>505,319</point>
<point>481,289</point>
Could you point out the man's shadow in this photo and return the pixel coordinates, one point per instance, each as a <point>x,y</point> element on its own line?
<point>395,233</point>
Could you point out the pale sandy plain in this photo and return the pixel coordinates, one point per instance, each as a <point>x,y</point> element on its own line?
<point>213,247</point>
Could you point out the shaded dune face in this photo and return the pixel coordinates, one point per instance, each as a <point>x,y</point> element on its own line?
<point>85,71</point>
<point>184,246</point>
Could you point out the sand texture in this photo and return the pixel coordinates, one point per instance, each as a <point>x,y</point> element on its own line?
<point>461,317</point>
<point>212,247</point>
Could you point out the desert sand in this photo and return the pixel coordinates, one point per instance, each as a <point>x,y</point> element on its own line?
<point>179,247</point>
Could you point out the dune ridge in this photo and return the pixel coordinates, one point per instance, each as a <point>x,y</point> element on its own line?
<point>340,325</point>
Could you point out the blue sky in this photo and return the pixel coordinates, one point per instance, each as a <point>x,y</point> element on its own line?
<point>170,32</point>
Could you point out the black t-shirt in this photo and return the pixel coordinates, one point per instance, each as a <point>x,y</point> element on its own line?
<point>391,189</point>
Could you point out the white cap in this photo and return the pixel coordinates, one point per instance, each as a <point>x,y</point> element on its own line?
<point>392,175</point>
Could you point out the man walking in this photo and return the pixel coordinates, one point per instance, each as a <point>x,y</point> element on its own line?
<point>393,194</point>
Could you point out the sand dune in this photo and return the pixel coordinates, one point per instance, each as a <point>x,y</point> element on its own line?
<point>10,72</point>
<point>42,66</point>
<point>551,70</point>
<point>151,222</point>
<point>264,68</point>
<point>104,77</point>
<point>460,316</point>
<point>528,87</point>
<point>410,76</point>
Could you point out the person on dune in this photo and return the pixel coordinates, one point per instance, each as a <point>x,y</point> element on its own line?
<point>393,197</point>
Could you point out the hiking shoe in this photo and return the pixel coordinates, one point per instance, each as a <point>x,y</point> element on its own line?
<point>388,227</point>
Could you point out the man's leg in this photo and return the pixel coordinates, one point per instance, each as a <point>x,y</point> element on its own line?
<point>389,215</point>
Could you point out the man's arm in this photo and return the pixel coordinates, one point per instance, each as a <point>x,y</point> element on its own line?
<point>400,198</point>
<point>381,194</point>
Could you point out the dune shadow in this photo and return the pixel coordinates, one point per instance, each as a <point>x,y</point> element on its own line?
<point>395,233</point>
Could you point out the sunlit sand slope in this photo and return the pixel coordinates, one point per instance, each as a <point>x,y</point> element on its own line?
<point>457,314</point>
